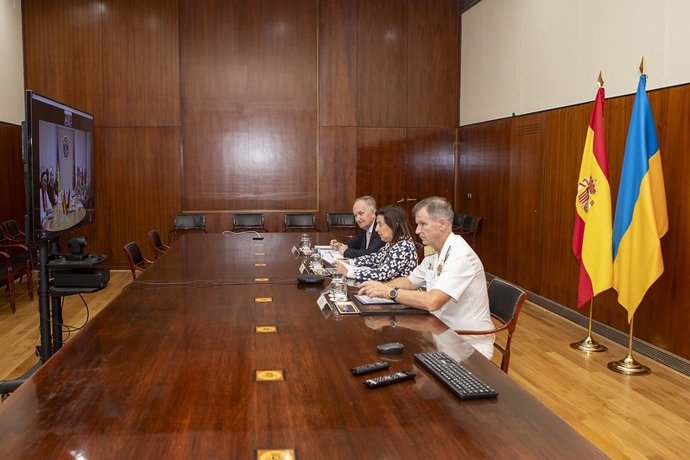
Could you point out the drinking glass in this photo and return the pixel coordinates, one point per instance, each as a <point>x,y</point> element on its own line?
<point>338,288</point>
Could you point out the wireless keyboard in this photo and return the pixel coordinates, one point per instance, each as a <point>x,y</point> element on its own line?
<point>453,375</point>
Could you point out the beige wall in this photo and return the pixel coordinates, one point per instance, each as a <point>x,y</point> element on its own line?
<point>523,56</point>
<point>12,62</point>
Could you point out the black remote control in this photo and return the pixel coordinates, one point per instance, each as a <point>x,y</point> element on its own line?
<point>384,380</point>
<point>371,367</point>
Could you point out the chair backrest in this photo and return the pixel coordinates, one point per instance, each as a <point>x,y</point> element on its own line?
<point>136,259</point>
<point>300,221</point>
<point>253,221</point>
<point>340,220</point>
<point>458,219</point>
<point>12,230</point>
<point>469,223</point>
<point>505,303</point>
<point>189,222</point>
<point>156,241</point>
<point>186,222</point>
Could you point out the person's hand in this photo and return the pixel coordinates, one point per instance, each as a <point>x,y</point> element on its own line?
<point>335,244</point>
<point>341,267</point>
<point>375,289</point>
<point>342,248</point>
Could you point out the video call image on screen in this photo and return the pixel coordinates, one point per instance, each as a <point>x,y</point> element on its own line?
<point>59,142</point>
<point>64,188</point>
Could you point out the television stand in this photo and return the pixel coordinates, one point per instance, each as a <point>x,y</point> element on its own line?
<point>61,277</point>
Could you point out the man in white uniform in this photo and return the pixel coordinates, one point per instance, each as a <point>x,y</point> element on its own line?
<point>453,277</point>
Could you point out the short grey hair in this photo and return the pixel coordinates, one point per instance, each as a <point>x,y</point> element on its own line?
<point>369,200</point>
<point>437,207</point>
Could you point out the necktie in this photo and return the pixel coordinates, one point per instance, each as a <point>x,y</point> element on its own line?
<point>368,239</point>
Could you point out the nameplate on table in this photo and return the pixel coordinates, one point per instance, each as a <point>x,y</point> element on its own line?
<point>261,280</point>
<point>259,253</point>
<point>270,375</point>
<point>266,329</point>
<point>275,454</point>
<point>260,265</point>
<point>322,302</point>
<point>263,299</point>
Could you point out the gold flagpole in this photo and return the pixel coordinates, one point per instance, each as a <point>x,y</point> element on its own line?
<point>628,365</point>
<point>588,344</point>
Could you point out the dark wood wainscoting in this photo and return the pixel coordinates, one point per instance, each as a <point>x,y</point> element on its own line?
<point>12,199</point>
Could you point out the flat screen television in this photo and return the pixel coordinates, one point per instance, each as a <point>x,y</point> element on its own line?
<point>58,148</point>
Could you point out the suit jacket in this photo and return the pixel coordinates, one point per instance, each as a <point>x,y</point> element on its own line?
<point>357,246</point>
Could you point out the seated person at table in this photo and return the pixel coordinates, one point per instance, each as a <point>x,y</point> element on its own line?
<point>453,277</point>
<point>397,258</point>
<point>368,241</point>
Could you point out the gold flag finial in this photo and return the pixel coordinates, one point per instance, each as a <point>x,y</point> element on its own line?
<point>642,65</point>
<point>600,80</point>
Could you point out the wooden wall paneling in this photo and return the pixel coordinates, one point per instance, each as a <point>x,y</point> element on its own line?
<point>525,201</point>
<point>433,64</point>
<point>482,188</point>
<point>382,63</point>
<point>63,52</point>
<point>338,171</point>
<point>254,149</point>
<point>282,102</point>
<point>139,185</point>
<point>673,123</point>
<point>12,196</point>
<point>429,164</point>
<point>381,164</point>
<point>141,63</point>
<point>337,62</point>
<point>213,56</point>
<point>214,73</point>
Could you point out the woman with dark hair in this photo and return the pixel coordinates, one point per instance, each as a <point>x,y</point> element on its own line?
<point>397,258</point>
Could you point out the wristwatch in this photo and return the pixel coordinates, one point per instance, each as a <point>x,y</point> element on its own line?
<point>393,294</point>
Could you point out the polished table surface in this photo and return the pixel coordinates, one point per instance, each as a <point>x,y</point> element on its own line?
<point>167,370</point>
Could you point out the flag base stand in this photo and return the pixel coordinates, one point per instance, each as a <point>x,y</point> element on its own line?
<point>588,345</point>
<point>628,366</point>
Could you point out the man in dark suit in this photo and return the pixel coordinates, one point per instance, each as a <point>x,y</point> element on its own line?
<point>368,240</point>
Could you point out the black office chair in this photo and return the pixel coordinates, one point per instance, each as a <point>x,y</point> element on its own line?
<point>505,303</point>
<point>187,222</point>
<point>248,222</point>
<point>458,219</point>
<point>340,220</point>
<point>295,222</point>
<point>137,261</point>
<point>156,242</point>
<point>469,228</point>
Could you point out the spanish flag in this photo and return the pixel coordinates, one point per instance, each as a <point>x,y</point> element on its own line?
<point>641,218</point>
<point>592,231</point>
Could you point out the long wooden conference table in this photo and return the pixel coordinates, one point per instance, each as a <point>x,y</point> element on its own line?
<point>169,370</point>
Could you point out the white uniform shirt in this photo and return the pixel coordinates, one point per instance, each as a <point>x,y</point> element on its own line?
<point>458,272</point>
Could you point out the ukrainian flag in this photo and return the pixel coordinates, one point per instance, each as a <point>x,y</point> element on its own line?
<point>640,220</point>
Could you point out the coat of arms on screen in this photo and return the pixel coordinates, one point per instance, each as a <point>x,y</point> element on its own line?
<point>65,146</point>
<point>586,191</point>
